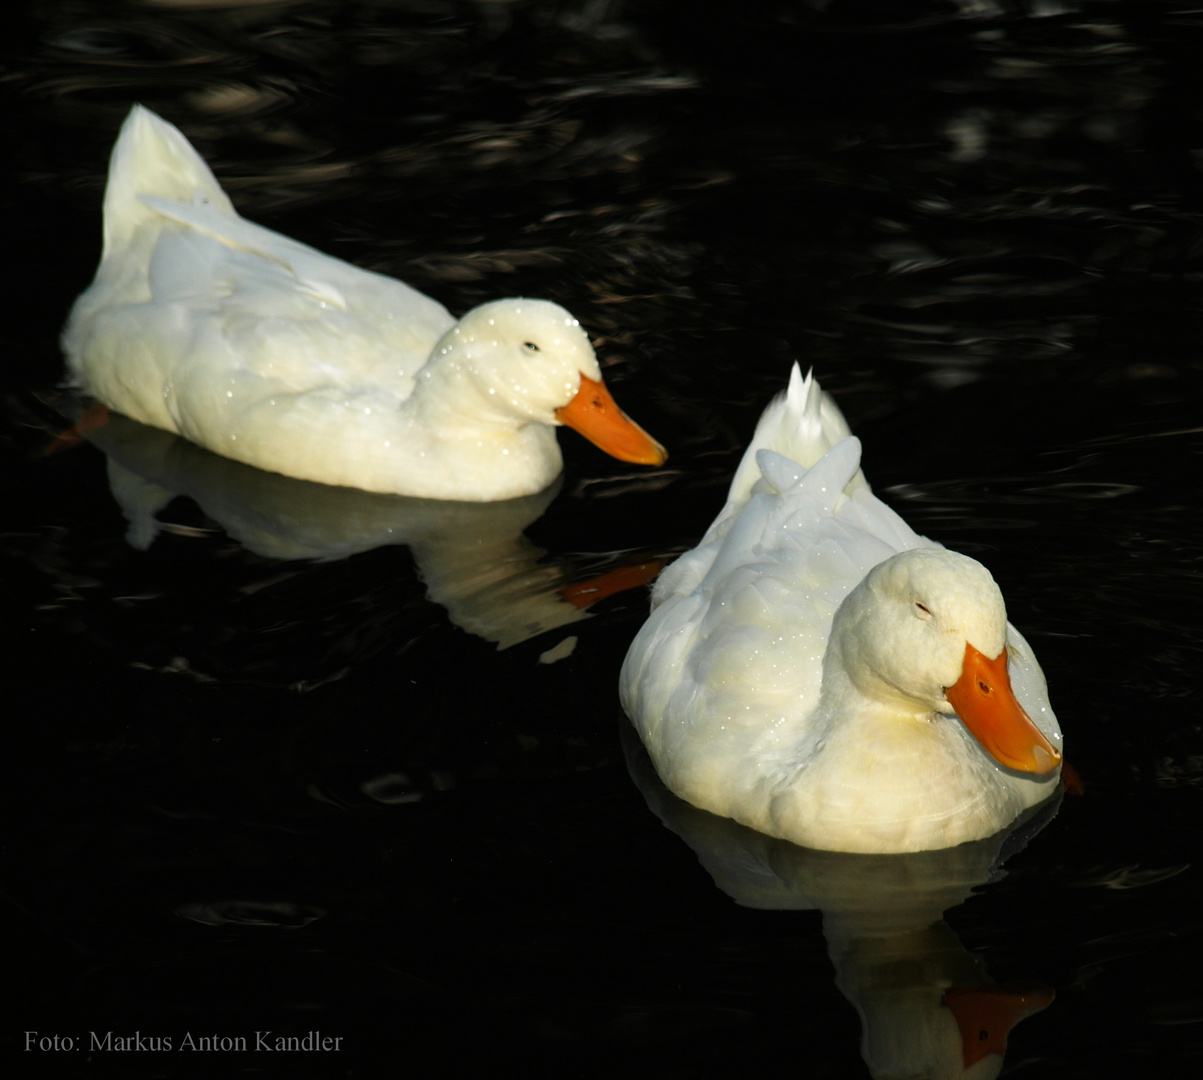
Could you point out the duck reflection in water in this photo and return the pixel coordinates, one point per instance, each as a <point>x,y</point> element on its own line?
<point>927,1005</point>
<point>473,557</point>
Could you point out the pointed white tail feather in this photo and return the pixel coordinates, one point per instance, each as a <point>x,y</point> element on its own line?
<point>151,157</point>
<point>801,424</point>
<point>794,433</point>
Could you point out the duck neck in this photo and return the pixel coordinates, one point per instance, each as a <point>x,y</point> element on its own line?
<point>846,678</point>
<point>448,397</point>
<point>456,428</point>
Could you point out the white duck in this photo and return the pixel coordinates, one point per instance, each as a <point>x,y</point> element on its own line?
<point>818,671</point>
<point>269,352</point>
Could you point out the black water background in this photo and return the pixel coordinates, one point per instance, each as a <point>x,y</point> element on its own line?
<point>1015,335</point>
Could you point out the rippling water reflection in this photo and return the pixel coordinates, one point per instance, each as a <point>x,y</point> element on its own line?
<point>472,557</point>
<point>255,792</point>
<point>927,1006</point>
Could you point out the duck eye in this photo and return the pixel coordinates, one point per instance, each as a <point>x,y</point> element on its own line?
<point>530,345</point>
<point>924,610</point>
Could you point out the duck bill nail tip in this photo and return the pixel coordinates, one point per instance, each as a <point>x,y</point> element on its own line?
<point>594,413</point>
<point>987,706</point>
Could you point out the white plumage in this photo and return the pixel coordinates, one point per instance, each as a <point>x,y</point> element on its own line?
<point>796,670</point>
<point>266,351</point>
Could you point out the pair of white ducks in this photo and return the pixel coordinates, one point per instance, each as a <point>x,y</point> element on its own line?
<point>814,669</point>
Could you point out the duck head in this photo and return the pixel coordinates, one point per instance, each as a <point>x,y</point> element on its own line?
<point>521,361</point>
<point>928,627</point>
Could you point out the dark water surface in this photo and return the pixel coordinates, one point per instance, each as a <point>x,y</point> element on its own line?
<point>254,786</point>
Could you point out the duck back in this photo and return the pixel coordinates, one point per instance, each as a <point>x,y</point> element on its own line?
<point>209,326</point>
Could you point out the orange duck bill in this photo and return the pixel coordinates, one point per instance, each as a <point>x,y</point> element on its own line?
<point>987,706</point>
<point>985,1015</point>
<point>594,413</point>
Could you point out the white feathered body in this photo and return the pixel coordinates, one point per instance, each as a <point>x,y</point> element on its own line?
<point>727,682</point>
<point>267,351</point>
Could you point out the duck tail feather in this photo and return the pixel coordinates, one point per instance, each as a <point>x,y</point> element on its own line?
<point>152,157</point>
<point>801,424</point>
